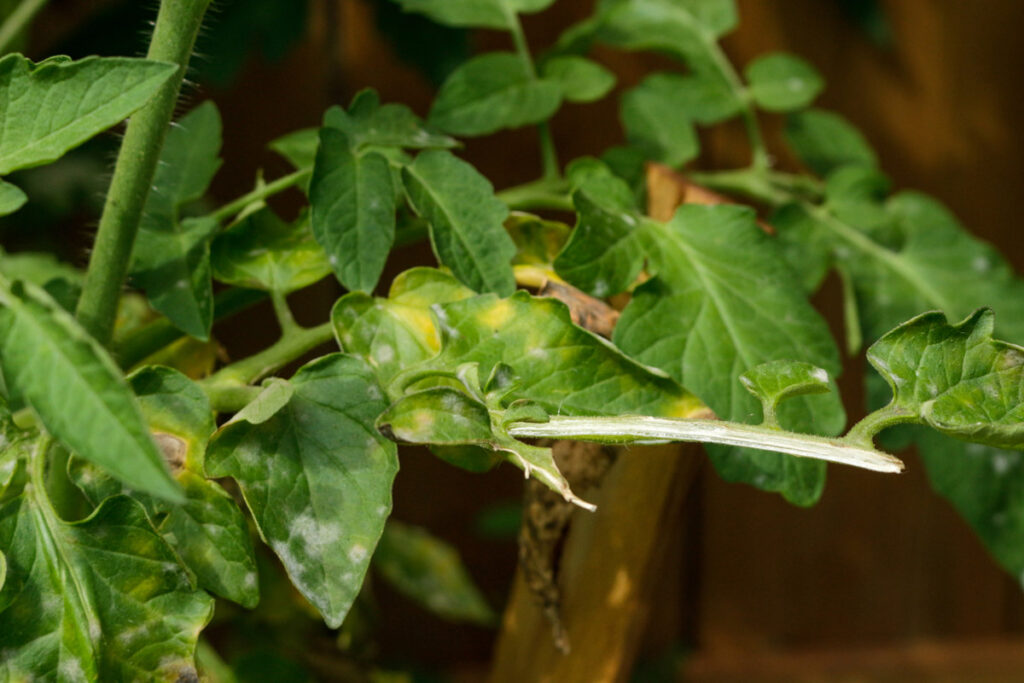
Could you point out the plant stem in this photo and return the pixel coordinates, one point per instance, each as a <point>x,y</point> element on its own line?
<point>268,190</point>
<point>292,345</point>
<point>641,429</point>
<point>773,188</point>
<point>760,159</point>
<point>17,20</point>
<point>283,313</point>
<point>174,35</point>
<point>548,153</point>
<point>546,193</point>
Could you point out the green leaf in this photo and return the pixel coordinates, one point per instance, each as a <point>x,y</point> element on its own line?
<point>178,414</point>
<point>778,380</point>
<point>681,27</point>
<point>298,147</point>
<point>722,302</point>
<point>580,79</point>
<point>653,114</point>
<point>986,486</point>
<point>466,220</point>
<point>441,416</point>
<point>263,252</point>
<point>782,82</point>
<point>77,390</point>
<point>11,198</point>
<point>39,268</point>
<point>173,267</point>
<point>492,92</point>
<point>100,599</point>
<point>368,123</point>
<point>317,478</point>
<point>495,14</point>
<point>275,395</point>
<point>429,571</point>
<point>825,141</point>
<point>955,378</point>
<point>400,331</point>
<point>353,210</point>
<point>48,108</point>
<point>171,261</point>
<point>603,255</point>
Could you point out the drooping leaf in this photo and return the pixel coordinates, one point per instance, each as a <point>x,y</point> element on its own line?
<point>955,378</point>
<point>723,302</point>
<point>580,79</point>
<point>429,571</point>
<point>100,599</point>
<point>825,141</point>
<point>264,252</point>
<point>353,210</point>
<point>565,369</point>
<point>465,220</point>
<point>11,198</point>
<point>782,82</point>
<point>495,14</point>
<point>368,123</point>
<point>778,380</point>
<point>492,92</point>
<point>317,478</point>
<point>400,331</point>
<point>171,259</point>
<point>653,114</point>
<point>48,108</point>
<point>76,389</point>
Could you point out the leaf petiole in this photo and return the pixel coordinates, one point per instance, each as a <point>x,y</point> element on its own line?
<point>270,189</point>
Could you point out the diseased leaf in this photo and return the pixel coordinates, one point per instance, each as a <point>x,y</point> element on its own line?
<point>537,241</point>
<point>782,82</point>
<point>429,571</point>
<point>778,380</point>
<point>563,368</point>
<point>825,141</point>
<point>442,416</point>
<point>275,395</point>
<point>171,261</point>
<point>495,14</point>
<point>76,389</point>
<point>465,220</point>
<point>353,210</point>
<point>11,198</point>
<point>400,331</point>
<point>48,108</point>
<point>317,478</point>
<point>955,378</point>
<point>580,79</point>
<point>722,302</point>
<point>100,599</point>
<point>653,114</point>
<point>492,92</point>
<point>263,252</point>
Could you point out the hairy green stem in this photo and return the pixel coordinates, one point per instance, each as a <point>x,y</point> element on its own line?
<point>270,189</point>
<point>174,35</point>
<point>546,193</point>
<point>642,429</point>
<point>17,20</point>
<point>158,334</point>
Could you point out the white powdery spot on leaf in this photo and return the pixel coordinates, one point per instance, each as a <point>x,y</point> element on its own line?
<point>358,553</point>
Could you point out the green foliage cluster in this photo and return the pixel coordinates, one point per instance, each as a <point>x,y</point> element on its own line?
<point>123,480</point>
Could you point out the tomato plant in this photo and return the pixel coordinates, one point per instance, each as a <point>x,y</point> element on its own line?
<point>135,490</point>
